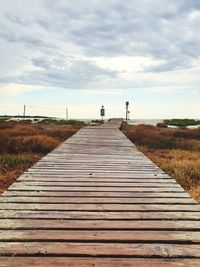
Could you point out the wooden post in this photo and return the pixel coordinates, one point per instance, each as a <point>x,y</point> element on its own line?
<point>127,104</point>
<point>24,113</point>
<point>67,115</point>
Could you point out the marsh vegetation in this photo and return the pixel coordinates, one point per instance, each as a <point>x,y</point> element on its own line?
<point>22,144</point>
<point>176,151</point>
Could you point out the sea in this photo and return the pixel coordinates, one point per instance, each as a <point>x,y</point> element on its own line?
<point>153,122</point>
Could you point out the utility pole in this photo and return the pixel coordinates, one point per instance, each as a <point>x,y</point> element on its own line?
<point>67,115</point>
<point>127,112</point>
<point>24,113</point>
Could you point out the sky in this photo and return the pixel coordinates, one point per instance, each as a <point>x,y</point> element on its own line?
<point>82,54</point>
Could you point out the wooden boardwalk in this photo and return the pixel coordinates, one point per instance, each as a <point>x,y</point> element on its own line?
<point>97,201</point>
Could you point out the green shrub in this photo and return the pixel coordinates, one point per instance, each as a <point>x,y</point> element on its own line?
<point>27,121</point>
<point>182,122</point>
<point>60,122</point>
<point>97,121</point>
<point>2,120</point>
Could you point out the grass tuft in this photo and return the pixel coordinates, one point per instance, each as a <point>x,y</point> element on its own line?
<point>10,162</point>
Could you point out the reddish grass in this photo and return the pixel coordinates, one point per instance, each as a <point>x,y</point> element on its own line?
<point>23,145</point>
<point>176,151</point>
<point>12,166</point>
<point>32,144</point>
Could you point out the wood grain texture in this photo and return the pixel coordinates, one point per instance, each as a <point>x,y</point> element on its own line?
<point>95,262</point>
<point>97,201</point>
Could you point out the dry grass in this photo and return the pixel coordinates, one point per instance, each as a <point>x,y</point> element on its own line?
<point>23,144</point>
<point>176,151</point>
<point>32,144</point>
<point>12,166</point>
<point>164,138</point>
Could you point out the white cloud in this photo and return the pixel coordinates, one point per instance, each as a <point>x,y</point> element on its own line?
<point>100,45</point>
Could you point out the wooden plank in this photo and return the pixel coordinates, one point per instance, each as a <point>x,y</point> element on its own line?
<point>103,184</point>
<point>134,236</point>
<point>114,172</point>
<point>99,207</point>
<point>99,224</point>
<point>96,194</point>
<point>135,174</point>
<point>54,180</point>
<point>98,249</point>
<point>16,187</point>
<point>96,262</point>
<point>91,176</point>
<point>100,200</point>
<point>83,168</point>
<point>106,215</point>
<point>94,182</point>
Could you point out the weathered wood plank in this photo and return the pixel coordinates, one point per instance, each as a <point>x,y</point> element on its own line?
<point>97,262</point>
<point>66,180</point>
<point>133,236</point>
<point>95,174</point>
<point>98,249</point>
<point>99,207</point>
<point>96,194</point>
<point>100,200</point>
<point>107,215</point>
<point>22,224</point>
<point>92,183</point>
<point>16,187</point>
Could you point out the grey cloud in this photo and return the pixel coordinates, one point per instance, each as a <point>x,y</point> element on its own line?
<point>186,6</point>
<point>28,40</point>
<point>41,62</point>
<point>154,29</point>
<point>73,74</point>
<point>44,24</point>
<point>16,19</point>
<point>150,28</point>
<point>171,65</point>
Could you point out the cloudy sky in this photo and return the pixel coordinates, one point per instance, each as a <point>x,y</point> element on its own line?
<point>85,53</point>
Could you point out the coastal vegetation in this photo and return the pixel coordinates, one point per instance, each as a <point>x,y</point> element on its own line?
<point>39,119</point>
<point>182,122</point>
<point>61,122</point>
<point>23,144</point>
<point>3,119</point>
<point>96,122</point>
<point>176,151</point>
